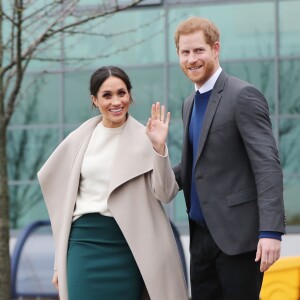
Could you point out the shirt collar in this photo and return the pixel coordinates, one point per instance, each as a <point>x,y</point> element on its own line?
<point>209,84</point>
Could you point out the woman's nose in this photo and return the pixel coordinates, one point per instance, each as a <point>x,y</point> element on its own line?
<point>115,100</point>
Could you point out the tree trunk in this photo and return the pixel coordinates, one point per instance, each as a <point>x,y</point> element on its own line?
<point>4,218</point>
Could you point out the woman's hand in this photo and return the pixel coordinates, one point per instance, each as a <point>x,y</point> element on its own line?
<point>55,279</point>
<point>157,127</point>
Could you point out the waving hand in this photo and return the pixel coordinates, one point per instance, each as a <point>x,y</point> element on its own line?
<point>157,127</point>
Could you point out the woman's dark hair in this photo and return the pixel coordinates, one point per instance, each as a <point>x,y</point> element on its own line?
<point>100,75</point>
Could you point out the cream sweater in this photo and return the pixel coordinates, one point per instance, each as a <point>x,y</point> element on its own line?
<point>95,171</point>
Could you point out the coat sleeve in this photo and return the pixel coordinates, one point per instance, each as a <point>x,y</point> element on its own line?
<point>252,117</point>
<point>163,179</point>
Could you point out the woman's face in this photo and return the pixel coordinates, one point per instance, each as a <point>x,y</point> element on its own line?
<point>113,100</point>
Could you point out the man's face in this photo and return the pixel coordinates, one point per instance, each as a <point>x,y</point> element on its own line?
<point>197,59</point>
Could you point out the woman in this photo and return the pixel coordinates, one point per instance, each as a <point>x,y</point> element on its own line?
<point>103,188</point>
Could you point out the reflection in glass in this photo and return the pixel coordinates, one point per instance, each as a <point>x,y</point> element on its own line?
<point>27,150</point>
<point>175,146</point>
<point>289,150</point>
<point>289,28</point>
<point>291,194</point>
<point>180,88</point>
<point>289,145</point>
<point>38,100</point>
<point>147,88</point>
<point>78,104</point>
<point>289,98</point>
<point>26,204</point>
<point>260,74</point>
<point>132,37</point>
<point>175,140</point>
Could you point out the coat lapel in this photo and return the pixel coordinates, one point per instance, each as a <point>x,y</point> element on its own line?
<point>213,103</point>
<point>134,155</point>
<point>59,176</point>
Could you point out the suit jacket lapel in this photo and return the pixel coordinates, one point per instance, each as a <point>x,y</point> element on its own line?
<point>213,103</point>
<point>186,157</point>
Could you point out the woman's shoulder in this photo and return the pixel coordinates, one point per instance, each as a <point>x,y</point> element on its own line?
<point>88,125</point>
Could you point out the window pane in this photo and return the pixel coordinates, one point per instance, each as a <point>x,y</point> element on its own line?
<point>36,19</point>
<point>78,103</point>
<point>180,208</point>
<point>289,148</point>
<point>147,88</point>
<point>289,132</point>
<point>242,35</point>
<point>39,100</point>
<point>289,27</point>
<point>26,205</point>
<point>175,141</point>
<point>289,87</point>
<point>180,88</point>
<point>132,37</point>
<point>174,145</point>
<point>291,200</point>
<point>27,150</point>
<point>120,2</point>
<point>260,74</point>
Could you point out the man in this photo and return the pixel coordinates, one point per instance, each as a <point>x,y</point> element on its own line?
<point>230,173</point>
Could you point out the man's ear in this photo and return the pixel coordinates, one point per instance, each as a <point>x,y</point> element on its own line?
<point>216,48</point>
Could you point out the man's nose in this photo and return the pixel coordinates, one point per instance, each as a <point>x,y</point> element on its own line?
<point>192,58</point>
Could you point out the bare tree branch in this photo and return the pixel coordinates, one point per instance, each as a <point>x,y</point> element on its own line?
<point>50,31</point>
<point>30,28</point>
<point>44,11</point>
<point>19,73</point>
<point>11,20</point>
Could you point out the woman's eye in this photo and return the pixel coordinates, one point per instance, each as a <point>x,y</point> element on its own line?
<point>122,93</point>
<point>107,95</point>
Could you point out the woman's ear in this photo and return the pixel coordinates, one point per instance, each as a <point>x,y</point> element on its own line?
<point>94,101</point>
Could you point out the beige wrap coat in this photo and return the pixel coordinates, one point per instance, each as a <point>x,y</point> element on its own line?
<point>140,178</point>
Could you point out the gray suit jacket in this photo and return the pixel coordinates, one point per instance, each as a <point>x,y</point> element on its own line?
<point>238,175</point>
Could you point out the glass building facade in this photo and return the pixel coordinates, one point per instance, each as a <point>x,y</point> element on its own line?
<point>260,42</point>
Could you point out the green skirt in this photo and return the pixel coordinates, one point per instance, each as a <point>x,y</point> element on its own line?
<point>100,265</point>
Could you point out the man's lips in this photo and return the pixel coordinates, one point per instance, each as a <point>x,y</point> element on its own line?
<point>195,68</point>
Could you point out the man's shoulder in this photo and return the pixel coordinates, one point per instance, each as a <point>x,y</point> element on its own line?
<point>238,82</point>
